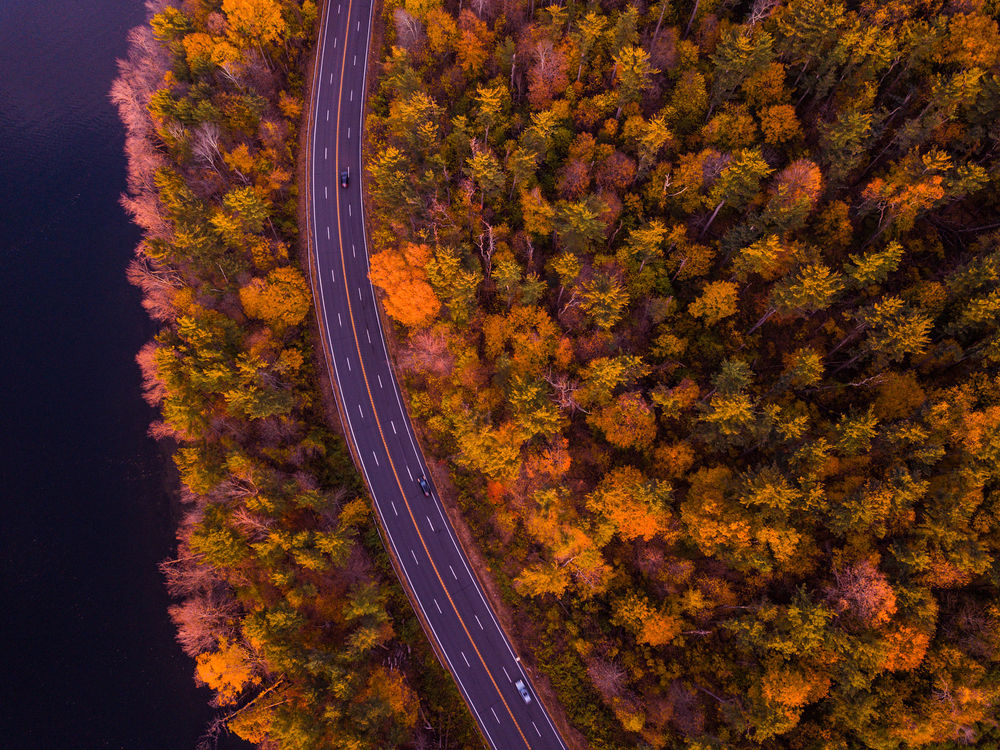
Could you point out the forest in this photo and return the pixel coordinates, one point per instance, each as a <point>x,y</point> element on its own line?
<point>698,301</point>
<point>286,601</point>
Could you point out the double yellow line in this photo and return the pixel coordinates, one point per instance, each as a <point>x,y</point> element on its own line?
<point>364,374</point>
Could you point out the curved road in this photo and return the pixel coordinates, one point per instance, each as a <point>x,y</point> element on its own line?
<point>440,581</point>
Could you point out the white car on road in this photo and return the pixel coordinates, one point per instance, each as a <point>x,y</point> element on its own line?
<point>523,690</point>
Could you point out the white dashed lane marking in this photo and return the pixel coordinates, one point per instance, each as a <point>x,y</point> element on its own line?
<point>536,729</point>
<point>378,376</point>
<point>453,572</point>
<point>479,623</point>
<point>505,674</point>
<point>438,607</point>
<point>410,473</point>
<point>429,522</point>
<point>333,276</point>
<point>376,458</point>
<point>464,659</point>
<point>340,320</point>
<point>328,232</point>
<point>414,557</point>
<point>393,427</point>
<point>394,508</point>
<point>361,412</point>
<point>495,714</point>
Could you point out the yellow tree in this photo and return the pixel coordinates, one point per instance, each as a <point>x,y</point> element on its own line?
<point>814,287</point>
<point>604,300</point>
<point>650,625</point>
<point>280,301</point>
<point>718,300</point>
<point>493,451</point>
<point>442,32</point>
<point>897,330</point>
<point>634,504</point>
<point>492,101</point>
<point>633,73</point>
<point>227,671</point>
<point>543,578</point>
<point>627,422</point>
<point>769,258</point>
<point>256,20</point>
<point>779,124</point>
<point>538,213</point>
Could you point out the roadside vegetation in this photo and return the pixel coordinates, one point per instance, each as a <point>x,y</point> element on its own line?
<point>698,303</point>
<point>286,600</point>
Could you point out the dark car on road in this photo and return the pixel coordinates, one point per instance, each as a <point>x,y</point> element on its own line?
<point>425,486</point>
<point>345,178</point>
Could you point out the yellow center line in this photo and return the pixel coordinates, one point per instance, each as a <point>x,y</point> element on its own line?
<point>364,374</point>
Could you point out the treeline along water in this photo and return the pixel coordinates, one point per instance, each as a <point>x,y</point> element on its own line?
<point>89,659</point>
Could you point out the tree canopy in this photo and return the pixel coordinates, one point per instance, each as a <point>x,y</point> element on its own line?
<point>737,266</point>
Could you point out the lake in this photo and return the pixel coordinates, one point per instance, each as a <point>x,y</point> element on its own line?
<point>89,659</point>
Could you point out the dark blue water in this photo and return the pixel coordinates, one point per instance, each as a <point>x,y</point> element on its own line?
<point>87,656</point>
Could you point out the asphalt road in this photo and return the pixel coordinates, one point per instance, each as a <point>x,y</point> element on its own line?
<point>447,594</point>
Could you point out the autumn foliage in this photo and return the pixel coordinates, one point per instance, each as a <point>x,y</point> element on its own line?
<point>401,275</point>
<point>737,267</point>
<point>285,600</point>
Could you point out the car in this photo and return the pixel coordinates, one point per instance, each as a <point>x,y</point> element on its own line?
<point>425,486</point>
<point>345,178</point>
<point>523,690</point>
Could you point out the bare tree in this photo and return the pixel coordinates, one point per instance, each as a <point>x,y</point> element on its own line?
<point>254,527</point>
<point>205,143</point>
<point>565,392</point>
<point>762,10</point>
<point>608,677</point>
<point>863,590</point>
<point>202,618</point>
<point>427,352</point>
<point>158,284</point>
<point>409,31</point>
<point>153,390</point>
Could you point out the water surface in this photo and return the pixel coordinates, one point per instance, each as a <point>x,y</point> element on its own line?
<point>88,656</point>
